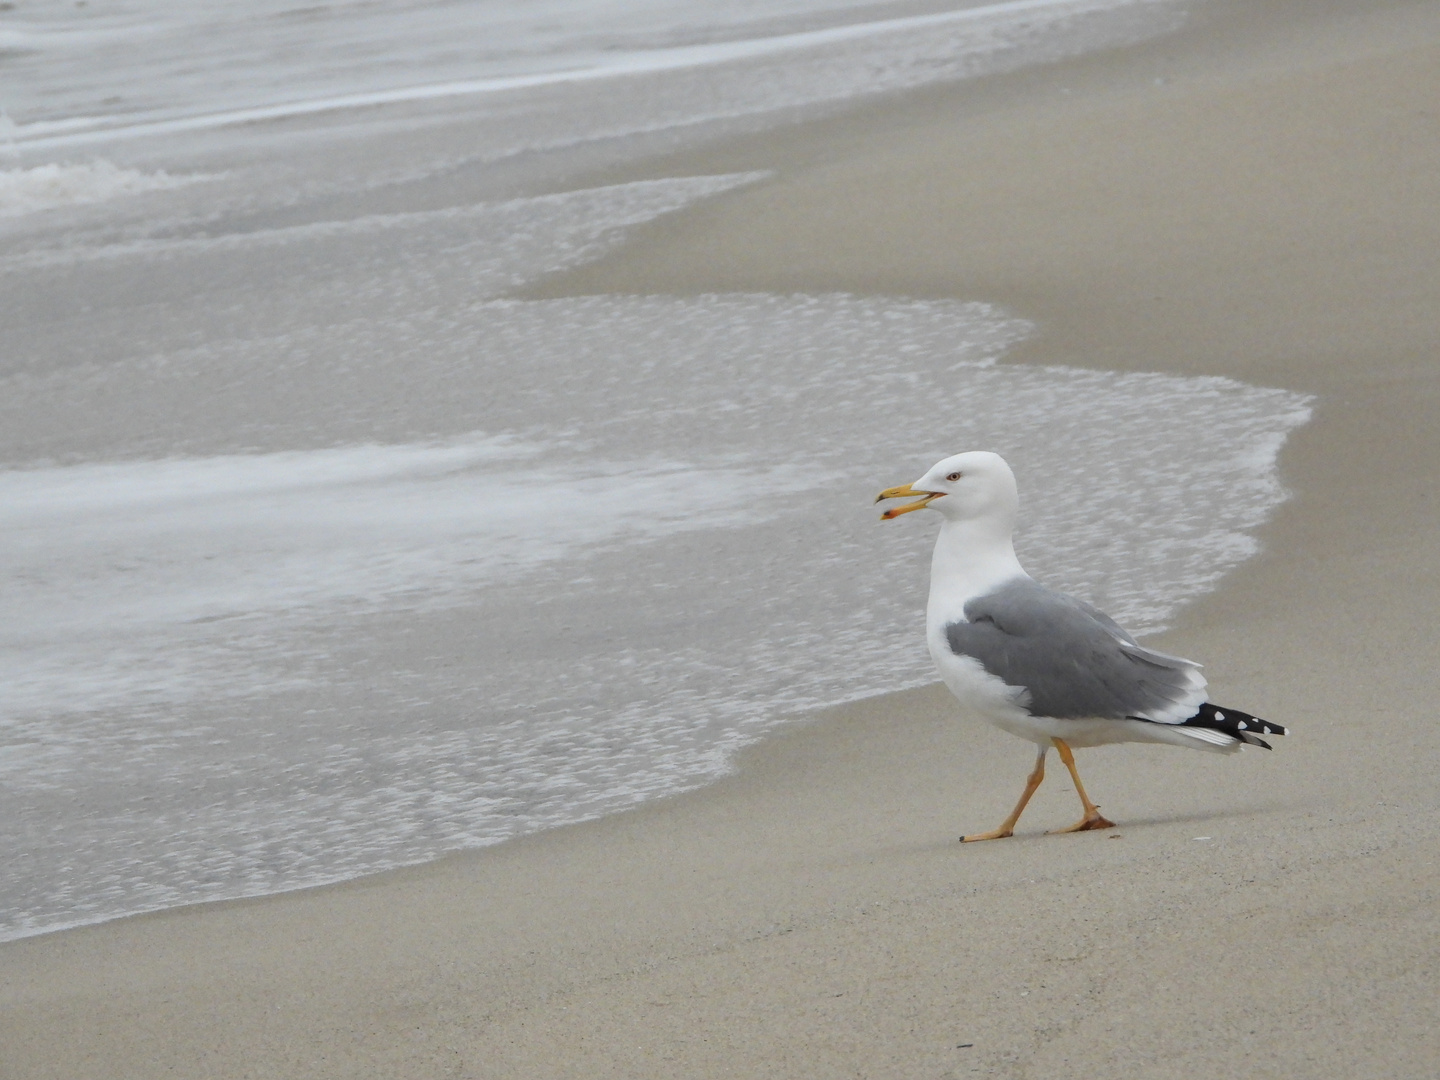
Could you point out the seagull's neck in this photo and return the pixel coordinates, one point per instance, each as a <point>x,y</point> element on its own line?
<point>972,557</point>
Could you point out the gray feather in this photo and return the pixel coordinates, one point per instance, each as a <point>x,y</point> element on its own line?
<point>1074,661</point>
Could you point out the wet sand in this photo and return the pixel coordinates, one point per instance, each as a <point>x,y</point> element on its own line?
<point>1257,197</point>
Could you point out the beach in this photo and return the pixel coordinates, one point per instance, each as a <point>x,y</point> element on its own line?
<point>1252,196</point>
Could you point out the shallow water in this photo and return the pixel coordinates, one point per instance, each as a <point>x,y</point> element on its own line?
<point>74,69</point>
<point>324,554</point>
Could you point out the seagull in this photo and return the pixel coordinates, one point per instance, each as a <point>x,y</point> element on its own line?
<point>1040,664</point>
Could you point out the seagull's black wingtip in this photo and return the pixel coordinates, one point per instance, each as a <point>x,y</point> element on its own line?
<point>1238,725</point>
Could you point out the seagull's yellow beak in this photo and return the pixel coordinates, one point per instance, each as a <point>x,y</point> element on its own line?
<point>905,491</point>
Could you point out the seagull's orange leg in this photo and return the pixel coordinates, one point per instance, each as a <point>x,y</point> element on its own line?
<point>1007,828</point>
<point>1093,819</point>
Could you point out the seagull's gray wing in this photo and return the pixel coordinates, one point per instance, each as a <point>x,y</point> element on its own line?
<point>1128,643</point>
<point>1074,661</point>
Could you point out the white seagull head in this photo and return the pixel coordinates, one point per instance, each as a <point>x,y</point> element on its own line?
<point>969,486</point>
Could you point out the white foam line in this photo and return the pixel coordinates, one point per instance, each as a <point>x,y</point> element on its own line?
<point>670,194</point>
<point>47,187</point>
<point>60,133</point>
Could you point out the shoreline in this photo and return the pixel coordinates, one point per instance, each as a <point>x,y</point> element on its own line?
<point>810,914</point>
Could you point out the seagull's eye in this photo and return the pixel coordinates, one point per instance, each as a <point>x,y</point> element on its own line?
<point>954,476</point>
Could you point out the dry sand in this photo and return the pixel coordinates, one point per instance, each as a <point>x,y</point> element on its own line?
<point>1257,196</point>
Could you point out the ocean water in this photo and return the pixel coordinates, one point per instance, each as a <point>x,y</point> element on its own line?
<point>323,553</point>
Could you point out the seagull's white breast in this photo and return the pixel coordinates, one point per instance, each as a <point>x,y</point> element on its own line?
<point>953,583</point>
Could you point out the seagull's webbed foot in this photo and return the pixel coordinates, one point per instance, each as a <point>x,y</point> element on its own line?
<point>1093,819</point>
<point>994,834</point>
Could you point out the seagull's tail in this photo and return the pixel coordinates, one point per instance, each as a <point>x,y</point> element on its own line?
<point>1238,726</point>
